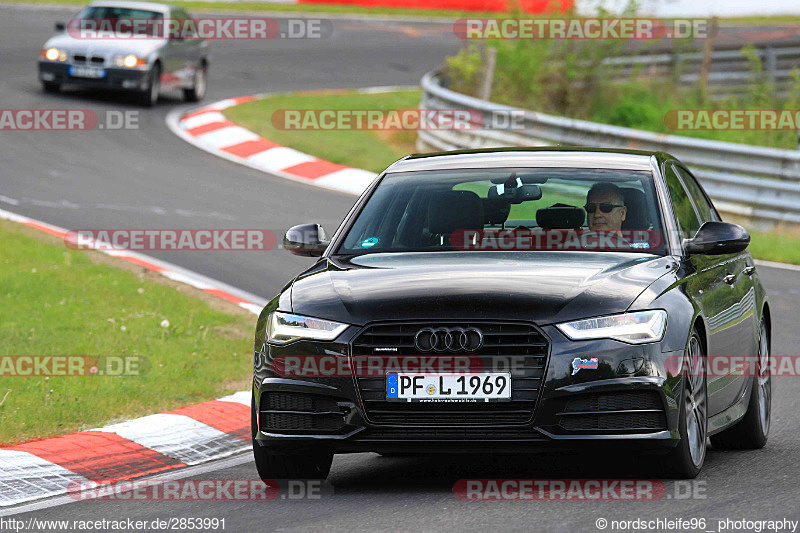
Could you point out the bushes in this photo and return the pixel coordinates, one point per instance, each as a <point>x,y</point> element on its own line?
<point>569,78</point>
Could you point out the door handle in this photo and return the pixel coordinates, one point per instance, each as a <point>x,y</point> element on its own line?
<point>749,271</point>
<point>730,279</point>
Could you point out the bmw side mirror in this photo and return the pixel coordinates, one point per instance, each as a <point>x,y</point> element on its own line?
<point>717,238</point>
<point>306,240</point>
<point>60,26</point>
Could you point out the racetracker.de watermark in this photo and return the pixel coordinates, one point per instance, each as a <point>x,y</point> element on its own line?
<point>580,28</point>
<point>207,28</point>
<point>172,239</point>
<point>73,365</point>
<point>555,239</point>
<point>577,490</point>
<point>379,364</point>
<point>68,120</point>
<point>733,119</point>
<point>202,490</point>
<point>396,119</point>
<point>735,365</point>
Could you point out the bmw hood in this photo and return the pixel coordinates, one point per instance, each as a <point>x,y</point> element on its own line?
<point>534,286</point>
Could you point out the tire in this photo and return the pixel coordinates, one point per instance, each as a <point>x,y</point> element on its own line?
<point>51,87</point>
<point>752,431</point>
<point>149,96</point>
<point>198,90</point>
<point>686,460</point>
<point>273,466</point>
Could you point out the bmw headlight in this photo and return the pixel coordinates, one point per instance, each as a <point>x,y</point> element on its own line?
<point>130,61</point>
<point>634,328</point>
<point>54,54</point>
<point>285,327</point>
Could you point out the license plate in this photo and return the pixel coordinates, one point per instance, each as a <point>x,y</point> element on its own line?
<point>86,72</point>
<point>475,387</point>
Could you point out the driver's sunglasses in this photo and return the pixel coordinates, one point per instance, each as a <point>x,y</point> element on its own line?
<point>604,207</point>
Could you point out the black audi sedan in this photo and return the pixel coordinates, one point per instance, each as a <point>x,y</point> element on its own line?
<point>516,300</point>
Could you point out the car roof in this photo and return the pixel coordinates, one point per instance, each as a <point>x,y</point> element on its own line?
<point>152,6</point>
<point>546,157</point>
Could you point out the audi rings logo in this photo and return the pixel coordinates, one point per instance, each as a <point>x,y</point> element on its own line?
<point>448,340</point>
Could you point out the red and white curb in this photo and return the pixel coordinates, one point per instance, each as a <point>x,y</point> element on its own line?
<point>208,129</point>
<point>165,441</point>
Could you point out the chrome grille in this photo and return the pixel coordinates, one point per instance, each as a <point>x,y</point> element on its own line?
<point>516,347</point>
<point>84,58</point>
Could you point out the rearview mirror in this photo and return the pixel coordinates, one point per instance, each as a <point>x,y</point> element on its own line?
<point>515,195</point>
<point>60,26</point>
<point>717,238</point>
<point>306,240</point>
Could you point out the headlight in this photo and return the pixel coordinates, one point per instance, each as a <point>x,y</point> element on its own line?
<point>634,328</point>
<point>54,54</point>
<point>129,61</point>
<point>285,327</point>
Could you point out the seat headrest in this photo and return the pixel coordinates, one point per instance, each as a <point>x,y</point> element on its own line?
<point>637,216</point>
<point>455,210</point>
<point>495,211</point>
<point>560,216</point>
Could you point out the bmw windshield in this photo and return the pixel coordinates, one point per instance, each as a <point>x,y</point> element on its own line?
<point>509,209</point>
<point>119,20</point>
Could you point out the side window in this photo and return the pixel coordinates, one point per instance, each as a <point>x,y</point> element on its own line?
<point>186,27</point>
<point>682,205</point>
<point>704,206</point>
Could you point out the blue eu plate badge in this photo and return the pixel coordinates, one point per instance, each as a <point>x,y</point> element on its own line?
<point>391,385</point>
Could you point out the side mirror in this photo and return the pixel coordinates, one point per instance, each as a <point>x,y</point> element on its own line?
<point>717,238</point>
<point>60,26</point>
<point>306,239</point>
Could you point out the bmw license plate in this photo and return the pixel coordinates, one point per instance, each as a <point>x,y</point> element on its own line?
<point>77,71</point>
<point>475,387</point>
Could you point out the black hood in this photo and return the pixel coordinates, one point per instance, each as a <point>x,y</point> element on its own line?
<point>535,286</point>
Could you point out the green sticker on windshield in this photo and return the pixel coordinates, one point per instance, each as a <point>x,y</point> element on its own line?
<point>369,243</point>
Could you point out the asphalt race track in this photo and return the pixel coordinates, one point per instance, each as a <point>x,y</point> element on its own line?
<point>149,178</point>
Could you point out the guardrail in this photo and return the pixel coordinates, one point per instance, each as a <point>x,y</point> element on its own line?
<point>730,74</point>
<point>759,183</point>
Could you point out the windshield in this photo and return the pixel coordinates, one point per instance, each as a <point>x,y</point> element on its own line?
<point>509,209</point>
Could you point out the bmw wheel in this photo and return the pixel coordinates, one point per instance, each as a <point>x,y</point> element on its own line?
<point>149,96</point>
<point>198,90</point>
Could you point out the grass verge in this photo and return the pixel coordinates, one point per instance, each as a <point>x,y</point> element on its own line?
<point>56,301</point>
<point>367,149</point>
<point>783,247</point>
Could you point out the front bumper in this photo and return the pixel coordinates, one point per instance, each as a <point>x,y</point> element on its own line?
<point>629,400</point>
<point>115,78</point>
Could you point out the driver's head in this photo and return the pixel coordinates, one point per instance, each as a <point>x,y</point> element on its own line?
<point>605,207</point>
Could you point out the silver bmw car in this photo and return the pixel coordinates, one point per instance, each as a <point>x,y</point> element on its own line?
<point>91,51</point>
